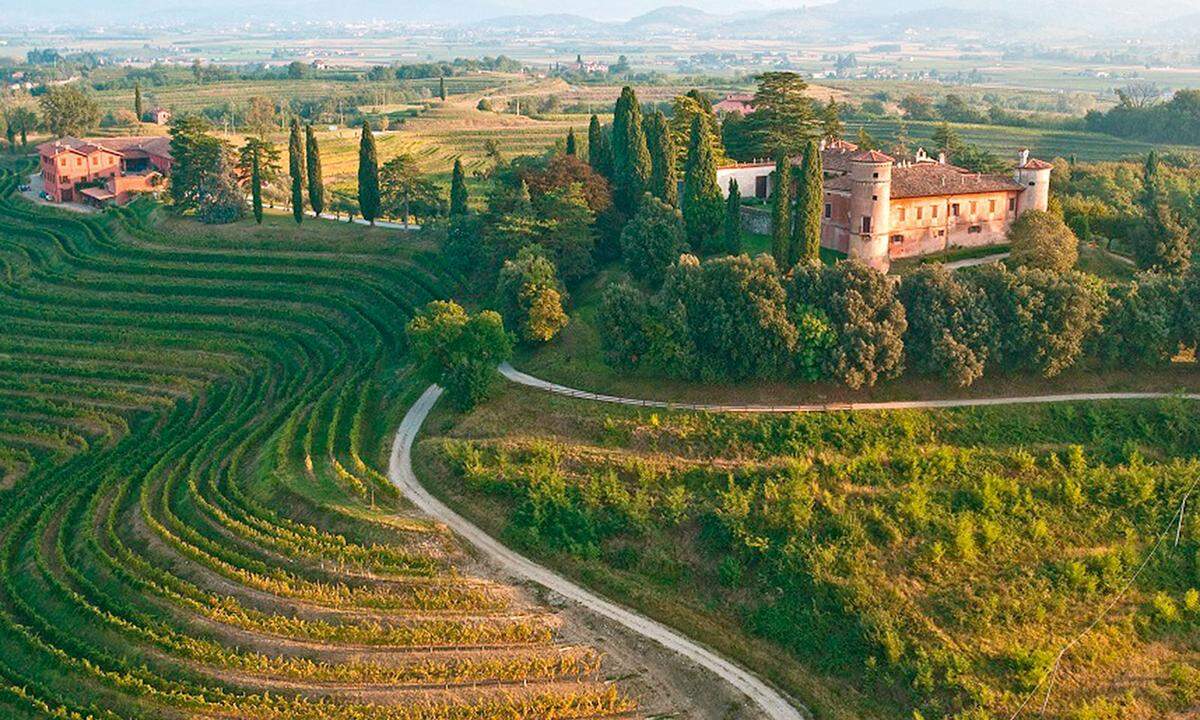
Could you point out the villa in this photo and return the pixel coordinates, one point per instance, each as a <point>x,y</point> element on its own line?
<point>100,171</point>
<point>878,208</point>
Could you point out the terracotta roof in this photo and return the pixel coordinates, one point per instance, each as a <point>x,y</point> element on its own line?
<point>1035,164</point>
<point>159,145</point>
<point>872,156</point>
<point>936,179</point>
<point>835,158</point>
<point>97,193</point>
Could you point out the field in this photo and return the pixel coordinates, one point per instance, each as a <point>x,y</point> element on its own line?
<point>194,423</point>
<point>876,565</point>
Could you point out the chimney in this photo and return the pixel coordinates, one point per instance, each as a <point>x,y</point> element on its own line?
<point>941,158</point>
<point>1023,157</point>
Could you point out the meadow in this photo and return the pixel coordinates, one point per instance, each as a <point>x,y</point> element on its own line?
<point>194,520</point>
<point>882,565</point>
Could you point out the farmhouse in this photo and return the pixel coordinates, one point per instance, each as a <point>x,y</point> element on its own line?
<point>100,171</point>
<point>878,208</point>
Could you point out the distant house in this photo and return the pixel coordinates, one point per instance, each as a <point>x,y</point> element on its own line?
<point>878,208</point>
<point>740,103</point>
<point>160,116</point>
<point>100,171</point>
<point>589,67</point>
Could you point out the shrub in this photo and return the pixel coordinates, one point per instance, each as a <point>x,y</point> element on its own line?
<point>950,325</point>
<point>653,240</point>
<point>531,296</point>
<point>1042,240</point>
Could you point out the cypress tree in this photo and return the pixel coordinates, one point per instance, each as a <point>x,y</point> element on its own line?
<point>442,88</point>
<point>810,202</point>
<point>312,159</point>
<point>368,175</point>
<point>703,206</point>
<point>137,101</point>
<point>595,135</point>
<point>733,220</point>
<point>664,179</point>
<point>256,186</point>
<point>458,190</point>
<point>570,141</point>
<point>781,214</point>
<point>296,170</point>
<point>630,156</point>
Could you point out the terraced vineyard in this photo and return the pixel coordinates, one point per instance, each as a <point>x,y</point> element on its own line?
<point>191,430</point>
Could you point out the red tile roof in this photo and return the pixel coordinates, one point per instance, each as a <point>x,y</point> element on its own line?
<point>157,145</point>
<point>1035,164</point>
<point>872,156</point>
<point>936,179</point>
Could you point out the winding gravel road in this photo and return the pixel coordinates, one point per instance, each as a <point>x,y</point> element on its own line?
<point>514,375</point>
<point>400,471</point>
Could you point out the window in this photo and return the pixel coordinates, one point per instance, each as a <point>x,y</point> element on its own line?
<point>920,212</point>
<point>954,210</point>
<point>941,233</point>
<point>974,230</point>
<point>866,224</point>
<point>874,197</point>
<point>897,239</point>
<point>902,214</point>
<point>828,211</point>
<point>760,187</point>
<point>876,176</point>
<point>974,207</point>
<point>1012,204</point>
<point>1031,184</point>
<point>935,210</point>
<point>78,162</point>
<point>992,207</point>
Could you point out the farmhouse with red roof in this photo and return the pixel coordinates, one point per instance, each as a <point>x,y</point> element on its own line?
<point>99,171</point>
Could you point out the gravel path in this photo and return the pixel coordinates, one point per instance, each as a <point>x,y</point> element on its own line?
<point>400,471</point>
<point>528,380</point>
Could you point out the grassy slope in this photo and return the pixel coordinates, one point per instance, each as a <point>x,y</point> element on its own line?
<point>890,495</point>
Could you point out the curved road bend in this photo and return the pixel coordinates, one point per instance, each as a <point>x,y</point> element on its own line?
<point>516,376</point>
<point>400,471</point>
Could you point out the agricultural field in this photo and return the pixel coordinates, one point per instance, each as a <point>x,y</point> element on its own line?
<point>883,565</point>
<point>194,519</point>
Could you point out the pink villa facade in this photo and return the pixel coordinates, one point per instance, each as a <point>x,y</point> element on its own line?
<point>878,209</point>
<point>100,171</point>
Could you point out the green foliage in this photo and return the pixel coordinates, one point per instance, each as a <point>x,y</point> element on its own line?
<point>630,157</point>
<point>296,170</point>
<point>531,297</point>
<point>731,231</point>
<point>570,147</point>
<point>405,192</point>
<point>202,176</point>
<point>783,119</point>
<point>869,320</point>
<point>653,240</point>
<point>782,214</point>
<point>685,110</point>
<point>702,202</point>
<point>459,351</point>
<point>1142,322</point>
<point>316,183</point>
<point>67,110</point>
<point>458,190</point>
<point>950,325</point>
<point>368,175</point>
<point>664,180</point>
<point>600,154</point>
<point>810,206</point>
<point>1042,240</point>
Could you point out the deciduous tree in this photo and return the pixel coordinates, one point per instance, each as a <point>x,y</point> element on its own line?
<point>950,325</point>
<point>459,351</point>
<point>68,110</point>
<point>652,240</point>
<point>1040,239</point>
<point>531,296</point>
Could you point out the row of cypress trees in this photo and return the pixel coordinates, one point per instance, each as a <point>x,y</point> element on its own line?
<point>304,167</point>
<point>796,221</point>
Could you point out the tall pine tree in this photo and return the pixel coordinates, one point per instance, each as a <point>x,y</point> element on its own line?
<point>458,190</point>
<point>296,170</point>
<point>664,178</point>
<point>368,175</point>
<point>781,213</point>
<point>703,207</point>
<point>1161,241</point>
<point>571,150</point>
<point>733,220</point>
<point>312,159</point>
<point>810,205</point>
<point>630,156</point>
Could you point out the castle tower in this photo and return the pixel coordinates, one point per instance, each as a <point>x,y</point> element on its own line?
<point>1034,177</point>
<point>871,208</point>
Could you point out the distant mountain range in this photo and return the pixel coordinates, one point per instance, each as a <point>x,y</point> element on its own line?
<point>758,18</point>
